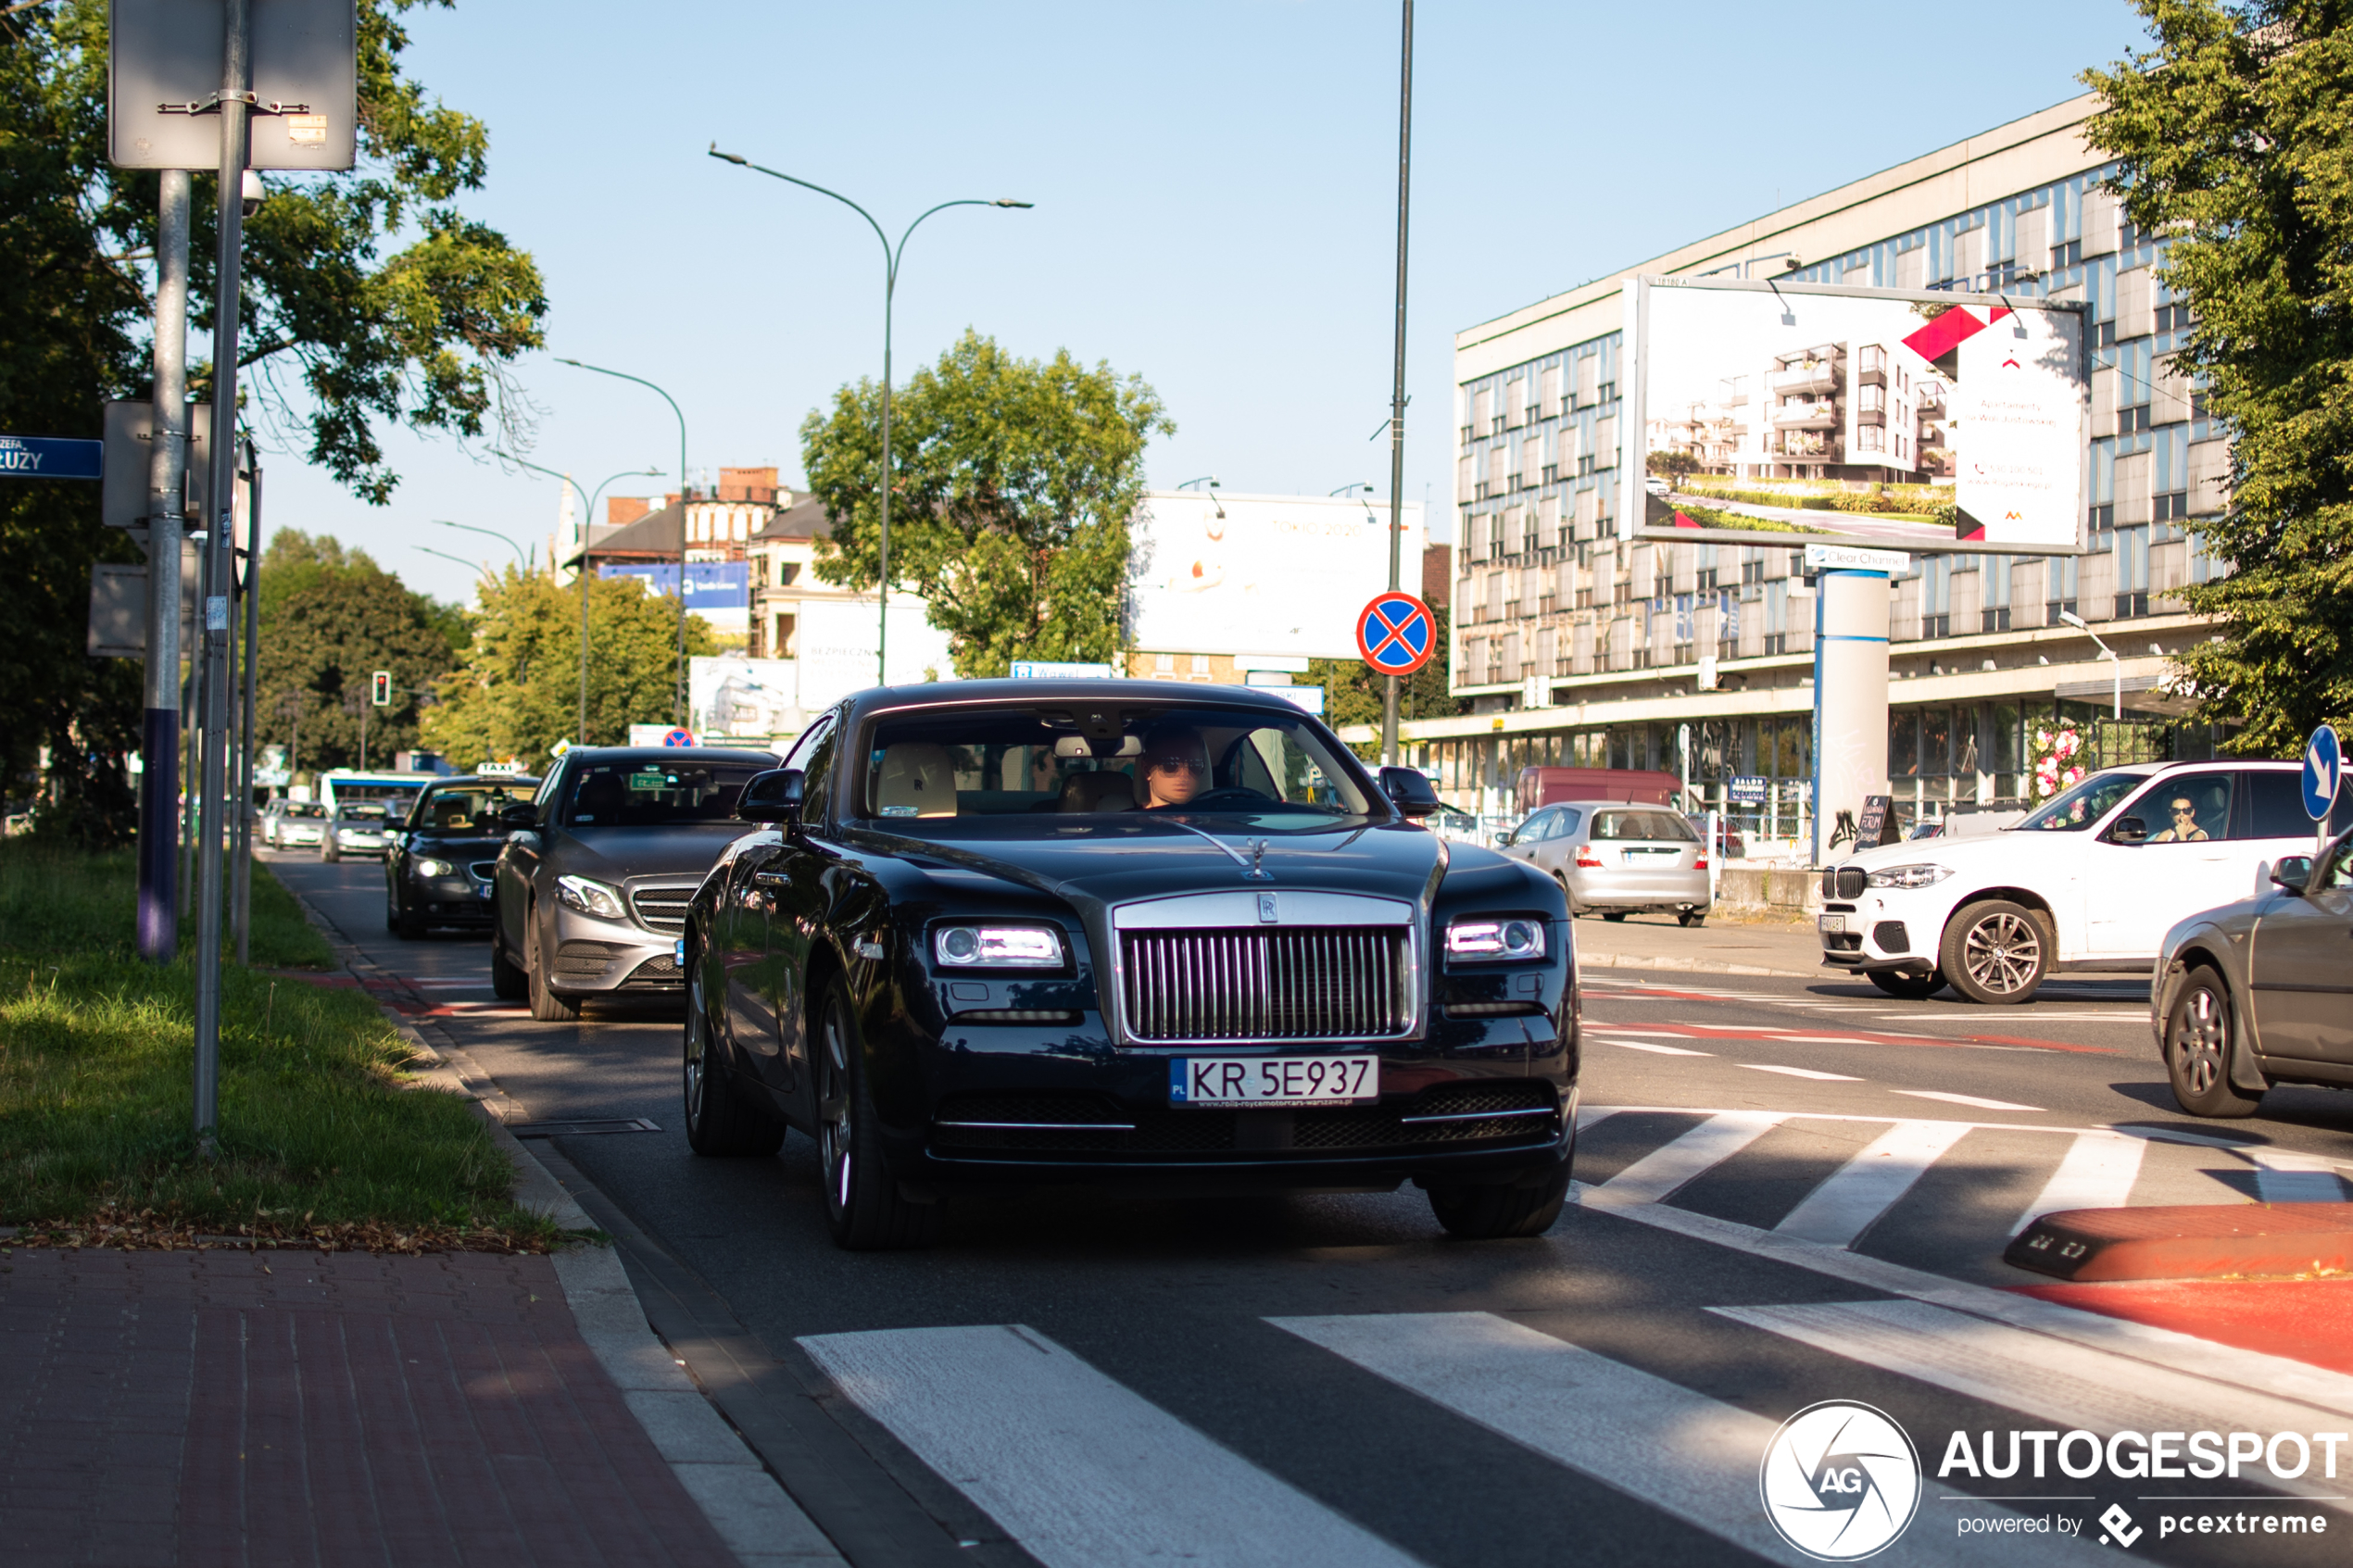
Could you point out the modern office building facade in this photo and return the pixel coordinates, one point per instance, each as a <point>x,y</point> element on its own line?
<point>1575,647</point>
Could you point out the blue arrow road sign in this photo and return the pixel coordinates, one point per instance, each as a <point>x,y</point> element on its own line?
<point>51,457</point>
<point>1396,633</point>
<point>2323,769</point>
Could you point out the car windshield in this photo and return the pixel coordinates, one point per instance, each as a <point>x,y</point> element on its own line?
<point>653,793</point>
<point>313,812</point>
<point>472,809</point>
<point>363,811</point>
<point>2083,804</point>
<point>1190,762</point>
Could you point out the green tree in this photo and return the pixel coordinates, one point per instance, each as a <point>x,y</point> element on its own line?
<point>519,692</point>
<point>1672,464</point>
<point>331,617</point>
<point>369,298</point>
<point>2232,136</point>
<point>1352,694</point>
<point>1014,482</point>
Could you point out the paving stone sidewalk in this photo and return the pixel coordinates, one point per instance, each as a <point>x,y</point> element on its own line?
<point>287,1408</point>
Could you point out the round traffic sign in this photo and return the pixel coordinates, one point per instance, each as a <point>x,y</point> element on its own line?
<point>1396,634</point>
<point>2323,770</point>
<point>678,737</point>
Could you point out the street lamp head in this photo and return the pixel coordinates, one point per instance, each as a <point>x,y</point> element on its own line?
<point>2073,619</point>
<point>1002,201</point>
<point>562,360</point>
<point>728,157</point>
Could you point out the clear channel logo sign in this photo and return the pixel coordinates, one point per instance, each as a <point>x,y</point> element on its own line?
<point>1840,1481</point>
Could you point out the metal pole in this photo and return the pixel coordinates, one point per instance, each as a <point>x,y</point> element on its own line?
<point>191,708</point>
<point>678,700</point>
<point>236,82</point>
<point>1397,385</point>
<point>166,489</point>
<point>245,752</point>
<point>882,632</point>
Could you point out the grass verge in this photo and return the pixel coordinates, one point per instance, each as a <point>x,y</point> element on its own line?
<point>326,1137</point>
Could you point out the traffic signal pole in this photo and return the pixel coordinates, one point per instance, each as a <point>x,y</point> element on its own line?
<point>1397,386</point>
<point>235,104</point>
<point>167,487</point>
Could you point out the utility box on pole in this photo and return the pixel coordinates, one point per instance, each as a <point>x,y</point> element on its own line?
<point>163,71</point>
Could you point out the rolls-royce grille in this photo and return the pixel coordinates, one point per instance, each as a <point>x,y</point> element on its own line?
<point>661,909</point>
<point>1276,984</point>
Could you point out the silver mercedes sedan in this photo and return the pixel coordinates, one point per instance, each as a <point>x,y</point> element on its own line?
<point>589,894</point>
<point>1614,858</point>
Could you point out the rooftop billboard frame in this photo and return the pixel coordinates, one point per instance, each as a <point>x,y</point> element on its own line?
<point>1932,422</point>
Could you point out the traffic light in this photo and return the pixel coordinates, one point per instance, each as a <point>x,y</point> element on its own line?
<point>380,688</point>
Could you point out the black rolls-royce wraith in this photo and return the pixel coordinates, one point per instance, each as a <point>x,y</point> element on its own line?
<point>1025,930</point>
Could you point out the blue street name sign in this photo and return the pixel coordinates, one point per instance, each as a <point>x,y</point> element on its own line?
<point>2323,771</point>
<point>51,457</point>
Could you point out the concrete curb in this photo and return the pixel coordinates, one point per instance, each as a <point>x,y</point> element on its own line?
<point>749,1509</point>
<point>1693,966</point>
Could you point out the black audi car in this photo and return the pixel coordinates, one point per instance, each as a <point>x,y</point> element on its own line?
<point>438,862</point>
<point>1016,932</point>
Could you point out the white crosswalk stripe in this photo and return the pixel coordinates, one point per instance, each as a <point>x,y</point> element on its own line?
<point>2098,1172</point>
<point>1080,1470</point>
<point>1860,1191</point>
<point>1683,1453</point>
<point>1660,1173</point>
<point>2284,1177</point>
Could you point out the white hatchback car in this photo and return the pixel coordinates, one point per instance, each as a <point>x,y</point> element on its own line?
<point>2090,882</point>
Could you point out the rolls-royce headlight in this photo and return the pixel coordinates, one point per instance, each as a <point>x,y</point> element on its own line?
<point>590,897</point>
<point>1009,947</point>
<point>434,868</point>
<point>1921,875</point>
<point>1488,939</point>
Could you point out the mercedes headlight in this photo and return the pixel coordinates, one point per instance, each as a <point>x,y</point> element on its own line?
<point>590,897</point>
<point>1010,946</point>
<point>1921,875</point>
<point>434,868</point>
<point>1489,939</point>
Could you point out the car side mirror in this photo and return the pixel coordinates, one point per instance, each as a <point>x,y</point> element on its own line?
<point>773,797</point>
<point>1410,791</point>
<point>2292,874</point>
<point>515,817</point>
<point>2129,829</point>
<point>1505,840</point>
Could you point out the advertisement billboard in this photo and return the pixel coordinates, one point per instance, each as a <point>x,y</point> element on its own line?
<point>1819,414</point>
<point>744,698</point>
<point>1213,573</point>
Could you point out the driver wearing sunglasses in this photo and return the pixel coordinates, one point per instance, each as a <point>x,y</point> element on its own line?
<point>2184,828</point>
<point>1176,767</point>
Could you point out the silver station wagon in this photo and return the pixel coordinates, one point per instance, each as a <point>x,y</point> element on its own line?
<point>1615,859</point>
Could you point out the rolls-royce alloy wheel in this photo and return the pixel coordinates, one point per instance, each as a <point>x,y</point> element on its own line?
<point>863,1206</point>
<point>722,1117</point>
<point>2198,1050</point>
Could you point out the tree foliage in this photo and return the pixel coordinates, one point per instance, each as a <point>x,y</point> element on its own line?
<point>519,692</point>
<point>2231,134</point>
<point>1015,481</point>
<point>331,617</point>
<point>1352,694</point>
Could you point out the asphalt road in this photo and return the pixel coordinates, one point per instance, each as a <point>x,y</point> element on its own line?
<point>1794,1191</point>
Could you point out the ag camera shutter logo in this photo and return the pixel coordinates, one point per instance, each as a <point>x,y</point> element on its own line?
<point>1840,1481</point>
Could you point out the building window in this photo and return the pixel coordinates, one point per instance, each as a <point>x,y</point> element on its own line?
<point>2132,420</point>
<point>2061,575</point>
<point>2173,507</point>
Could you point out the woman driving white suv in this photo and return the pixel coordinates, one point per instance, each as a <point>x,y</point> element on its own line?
<point>2090,882</point>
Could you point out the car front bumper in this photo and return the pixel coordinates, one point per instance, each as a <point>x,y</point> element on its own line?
<point>593,956</point>
<point>448,900</point>
<point>1882,934</point>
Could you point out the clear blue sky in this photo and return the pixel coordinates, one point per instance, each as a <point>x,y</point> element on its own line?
<point>1216,190</point>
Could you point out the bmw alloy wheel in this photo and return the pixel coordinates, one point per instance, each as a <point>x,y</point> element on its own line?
<point>2003,952</point>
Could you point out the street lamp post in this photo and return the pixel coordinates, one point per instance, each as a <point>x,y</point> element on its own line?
<point>2116,666</point>
<point>679,698</point>
<point>470,528</point>
<point>487,576</point>
<point>892,255</point>
<point>588,520</point>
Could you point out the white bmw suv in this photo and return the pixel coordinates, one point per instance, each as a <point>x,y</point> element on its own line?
<point>2090,882</point>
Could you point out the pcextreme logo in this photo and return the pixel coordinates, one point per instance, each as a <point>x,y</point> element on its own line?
<point>1840,1480</point>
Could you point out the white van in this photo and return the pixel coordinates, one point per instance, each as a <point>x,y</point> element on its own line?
<point>2090,882</point>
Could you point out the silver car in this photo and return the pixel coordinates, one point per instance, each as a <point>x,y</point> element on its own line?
<point>2258,992</point>
<point>1614,858</point>
<point>285,824</point>
<point>359,828</point>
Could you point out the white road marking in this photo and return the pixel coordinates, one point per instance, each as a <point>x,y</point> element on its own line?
<point>1622,1029</point>
<point>1080,1469</point>
<point>2098,1172</point>
<point>1655,1048</point>
<point>1667,1167</point>
<point>1861,1190</point>
<point>2049,1379</point>
<point>1982,1103</point>
<point>1680,1452</point>
<point>1777,1037</point>
<point>1799,1073</point>
<point>2284,1177</point>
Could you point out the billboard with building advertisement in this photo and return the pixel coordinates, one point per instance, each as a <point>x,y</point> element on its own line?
<point>1917,422</point>
<point>744,698</point>
<point>1217,573</point>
